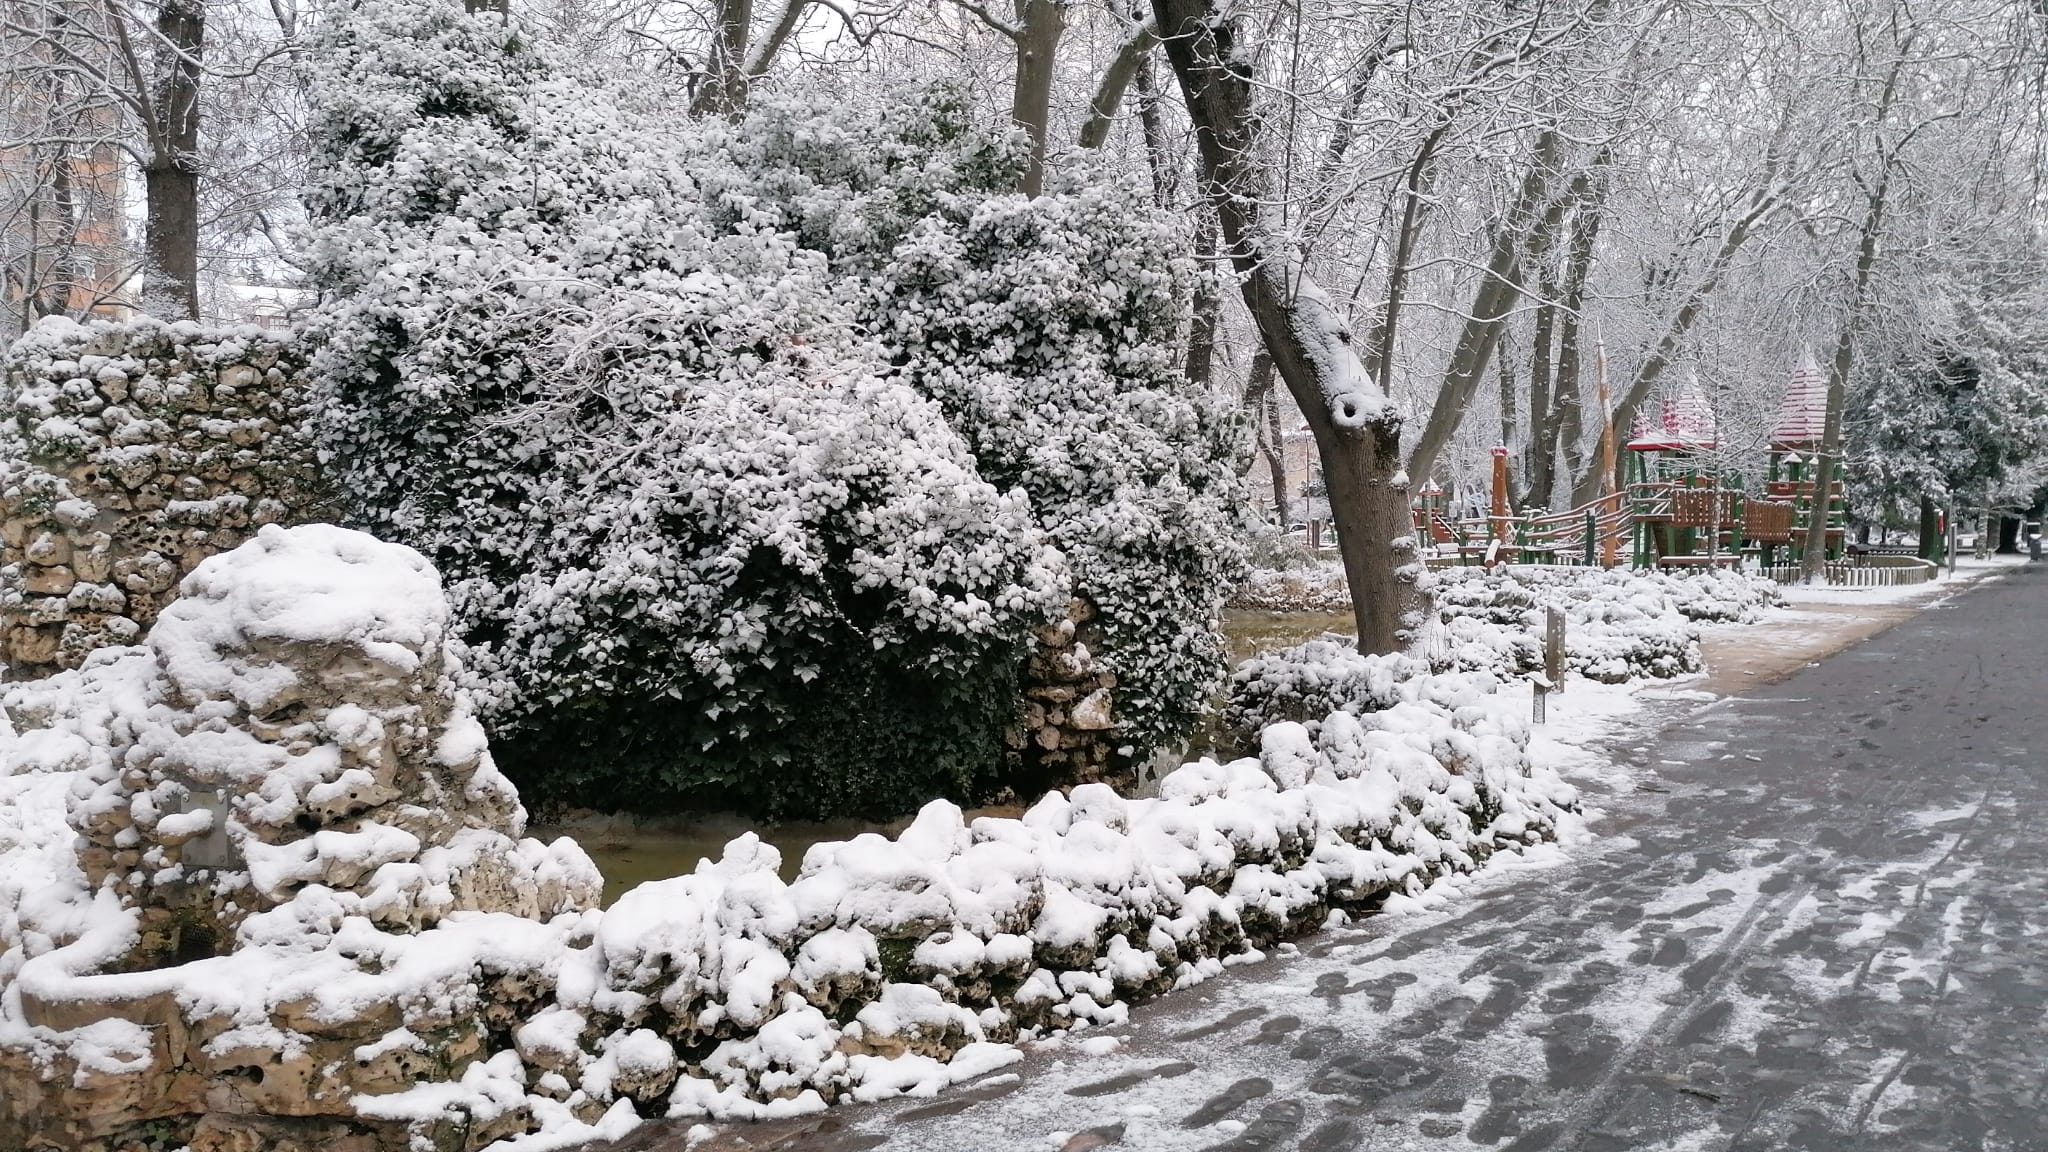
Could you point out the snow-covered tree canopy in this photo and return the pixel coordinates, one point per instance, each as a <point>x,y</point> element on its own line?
<point>717,522</point>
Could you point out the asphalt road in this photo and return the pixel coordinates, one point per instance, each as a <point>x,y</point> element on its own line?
<point>1820,921</point>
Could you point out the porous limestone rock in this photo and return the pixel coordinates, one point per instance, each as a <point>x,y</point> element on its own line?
<point>299,881</point>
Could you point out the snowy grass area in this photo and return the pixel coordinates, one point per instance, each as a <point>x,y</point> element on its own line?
<point>420,965</point>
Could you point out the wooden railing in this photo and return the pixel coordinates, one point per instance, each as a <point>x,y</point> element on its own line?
<point>1550,537</point>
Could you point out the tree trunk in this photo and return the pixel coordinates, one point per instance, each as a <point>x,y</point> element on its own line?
<point>1158,152</point>
<point>1357,431</point>
<point>1262,407</point>
<point>725,83</point>
<point>1565,433</point>
<point>1813,564</point>
<point>2008,535</point>
<point>1508,418</point>
<point>1041,24</point>
<point>1206,310</point>
<point>1539,461</point>
<point>1379,341</point>
<point>1930,530</point>
<point>171,178</point>
<point>1276,449</point>
<point>1123,69</point>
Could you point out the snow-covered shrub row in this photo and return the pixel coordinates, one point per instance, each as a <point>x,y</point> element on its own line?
<point>1313,588</point>
<point>1718,595</point>
<point>892,966</point>
<point>254,778</point>
<point>1715,595</point>
<point>718,521</point>
<point>1619,624</point>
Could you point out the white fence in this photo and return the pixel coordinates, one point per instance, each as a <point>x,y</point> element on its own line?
<point>1868,572</point>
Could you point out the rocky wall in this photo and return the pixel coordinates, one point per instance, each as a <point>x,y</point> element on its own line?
<point>295,881</point>
<point>1067,733</point>
<point>129,452</point>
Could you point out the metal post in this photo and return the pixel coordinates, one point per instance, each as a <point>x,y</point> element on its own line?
<point>1552,679</point>
<point>1954,527</point>
<point>1500,493</point>
<point>1553,645</point>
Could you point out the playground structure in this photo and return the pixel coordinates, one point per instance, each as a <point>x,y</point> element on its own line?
<point>1678,507</point>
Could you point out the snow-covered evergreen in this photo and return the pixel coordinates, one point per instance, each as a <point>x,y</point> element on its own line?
<point>751,452</point>
<point>698,536</point>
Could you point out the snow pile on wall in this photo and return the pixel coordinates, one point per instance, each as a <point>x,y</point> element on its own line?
<point>132,451</point>
<point>263,865</point>
<point>260,883</point>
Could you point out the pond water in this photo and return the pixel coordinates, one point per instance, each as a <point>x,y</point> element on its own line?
<point>631,852</point>
<point>1250,633</point>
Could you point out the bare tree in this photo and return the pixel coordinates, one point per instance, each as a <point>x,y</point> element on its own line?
<point>1357,430</point>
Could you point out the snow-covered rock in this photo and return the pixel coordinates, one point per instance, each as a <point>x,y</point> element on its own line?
<point>263,865</point>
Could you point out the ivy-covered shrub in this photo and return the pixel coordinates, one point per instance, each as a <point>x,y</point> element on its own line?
<point>1047,331</point>
<point>705,545</point>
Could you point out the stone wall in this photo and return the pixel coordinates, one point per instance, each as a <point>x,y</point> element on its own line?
<point>130,452</point>
<point>261,888</point>
<point>1068,729</point>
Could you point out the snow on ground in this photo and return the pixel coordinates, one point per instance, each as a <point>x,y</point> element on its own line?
<point>897,967</point>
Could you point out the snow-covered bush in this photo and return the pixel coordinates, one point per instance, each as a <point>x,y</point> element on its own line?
<point>1619,625</point>
<point>752,452</point>
<point>1046,330</point>
<point>704,544</point>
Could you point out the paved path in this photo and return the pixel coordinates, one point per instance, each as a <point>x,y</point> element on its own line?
<point>1820,922</point>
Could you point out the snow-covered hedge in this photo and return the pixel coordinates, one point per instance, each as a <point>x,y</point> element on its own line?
<point>706,547</point>
<point>1310,588</point>
<point>412,967</point>
<point>752,453</point>
<point>1619,625</point>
